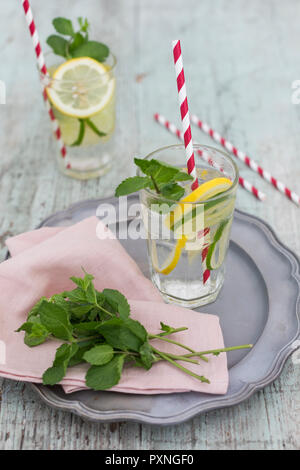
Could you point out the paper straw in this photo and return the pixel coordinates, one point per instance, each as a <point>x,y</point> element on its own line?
<point>43,70</point>
<point>247,160</point>
<point>184,112</point>
<point>205,156</point>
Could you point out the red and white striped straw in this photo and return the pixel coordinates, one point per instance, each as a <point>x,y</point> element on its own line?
<point>247,160</point>
<point>184,112</point>
<point>43,69</point>
<point>205,156</point>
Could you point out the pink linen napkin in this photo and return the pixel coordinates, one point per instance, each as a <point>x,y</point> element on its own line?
<point>43,261</point>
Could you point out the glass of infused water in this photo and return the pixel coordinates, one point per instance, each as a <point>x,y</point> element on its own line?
<point>188,239</point>
<point>82,93</point>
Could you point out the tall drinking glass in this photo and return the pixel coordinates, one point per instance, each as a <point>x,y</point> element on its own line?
<point>188,241</point>
<point>89,141</point>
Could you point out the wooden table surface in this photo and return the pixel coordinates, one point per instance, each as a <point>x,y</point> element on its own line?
<point>241,58</point>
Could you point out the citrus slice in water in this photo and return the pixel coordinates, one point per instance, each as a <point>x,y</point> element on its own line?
<point>205,191</point>
<point>81,87</point>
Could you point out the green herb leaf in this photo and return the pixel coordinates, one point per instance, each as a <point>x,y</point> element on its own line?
<point>84,24</point>
<point>119,335</point>
<point>35,309</point>
<point>166,328</point>
<point>88,326</point>
<point>131,185</point>
<point>106,376</point>
<point>78,40</point>
<point>58,44</point>
<point>99,355</point>
<point>63,26</point>
<point>172,191</point>
<point>56,373</point>
<point>118,301</point>
<point>56,320</point>
<point>95,50</point>
<point>35,332</point>
<point>161,172</point>
<point>146,355</point>
<point>76,295</point>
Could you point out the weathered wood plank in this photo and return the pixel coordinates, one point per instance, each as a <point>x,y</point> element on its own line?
<point>240,61</point>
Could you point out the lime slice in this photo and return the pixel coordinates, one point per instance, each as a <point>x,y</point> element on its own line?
<point>81,87</point>
<point>221,236</point>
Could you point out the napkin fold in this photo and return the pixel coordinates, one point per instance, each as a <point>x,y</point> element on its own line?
<point>41,265</point>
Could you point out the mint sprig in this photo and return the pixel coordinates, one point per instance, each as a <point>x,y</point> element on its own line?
<point>96,329</point>
<point>160,177</point>
<point>69,43</point>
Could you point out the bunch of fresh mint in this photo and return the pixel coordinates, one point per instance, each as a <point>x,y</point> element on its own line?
<point>70,43</point>
<point>96,329</point>
<point>160,177</point>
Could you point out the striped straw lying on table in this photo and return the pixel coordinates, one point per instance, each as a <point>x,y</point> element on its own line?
<point>247,160</point>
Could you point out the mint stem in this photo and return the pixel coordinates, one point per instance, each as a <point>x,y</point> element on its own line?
<point>166,333</point>
<point>178,358</point>
<point>217,351</point>
<point>187,371</point>
<point>172,341</point>
<point>155,184</point>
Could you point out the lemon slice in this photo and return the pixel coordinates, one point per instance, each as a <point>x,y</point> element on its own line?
<point>81,87</point>
<point>205,191</point>
<point>172,259</point>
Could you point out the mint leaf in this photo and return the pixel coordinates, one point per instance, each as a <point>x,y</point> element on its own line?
<point>137,328</point>
<point>146,354</point>
<point>95,50</point>
<point>84,24</point>
<point>161,172</point>
<point>119,335</point>
<point>76,295</point>
<point>99,355</point>
<point>172,191</point>
<point>106,376</point>
<point>56,320</point>
<point>181,176</point>
<point>56,373</point>
<point>131,185</point>
<point>35,309</point>
<point>35,332</point>
<point>78,40</point>
<point>63,26</point>
<point>166,328</point>
<point>118,301</point>
<point>80,311</point>
<point>91,295</point>
<point>58,45</point>
<point>86,327</point>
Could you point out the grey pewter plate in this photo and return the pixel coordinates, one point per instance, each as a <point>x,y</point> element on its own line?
<point>259,303</point>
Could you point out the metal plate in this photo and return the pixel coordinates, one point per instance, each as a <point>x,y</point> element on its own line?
<point>259,303</point>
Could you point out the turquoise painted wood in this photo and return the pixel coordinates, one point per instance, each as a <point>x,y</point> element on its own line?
<point>240,58</point>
